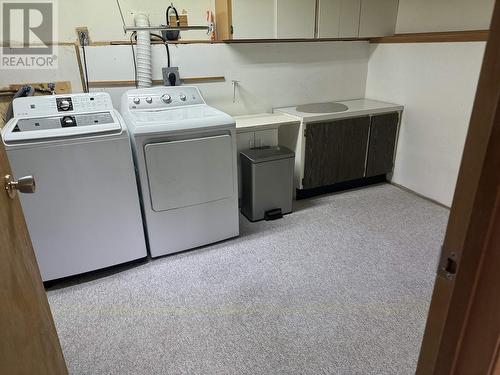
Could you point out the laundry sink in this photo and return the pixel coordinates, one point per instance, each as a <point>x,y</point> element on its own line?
<point>330,107</point>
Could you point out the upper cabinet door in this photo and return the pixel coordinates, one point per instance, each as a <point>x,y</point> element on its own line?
<point>338,18</point>
<point>378,18</point>
<point>254,19</point>
<point>295,18</point>
<point>349,18</point>
<point>329,18</point>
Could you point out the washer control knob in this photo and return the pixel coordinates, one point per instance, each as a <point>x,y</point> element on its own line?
<point>137,101</point>
<point>166,98</point>
<point>149,100</point>
<point>183,97</point>
<point>68,121</point>
<point>65,104</point>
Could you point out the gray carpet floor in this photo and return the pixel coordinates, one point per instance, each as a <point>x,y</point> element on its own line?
<point>341,286</point>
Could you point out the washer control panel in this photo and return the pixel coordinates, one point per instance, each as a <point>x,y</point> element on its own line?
<point>63,121</point>
<point>165,97</point>
<point>38,106</point>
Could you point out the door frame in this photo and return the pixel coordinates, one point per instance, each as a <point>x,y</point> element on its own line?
<point>471,216</point>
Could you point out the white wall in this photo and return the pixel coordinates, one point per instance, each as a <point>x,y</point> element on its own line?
<point>104,22</point>
<point>436,83</point>
<point>416,16</point>
<point>271,75</point>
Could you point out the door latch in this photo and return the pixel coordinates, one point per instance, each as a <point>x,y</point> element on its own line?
<point>448,265</point>
<point>25,185</point>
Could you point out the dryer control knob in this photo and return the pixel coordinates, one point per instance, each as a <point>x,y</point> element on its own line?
<point>137,101</point>
<point>166,98</point>
<point>149,100</point>
<point>183,97</point>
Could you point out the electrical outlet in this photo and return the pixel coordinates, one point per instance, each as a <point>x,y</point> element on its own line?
<point>83,36</point>
<point>167,71</point>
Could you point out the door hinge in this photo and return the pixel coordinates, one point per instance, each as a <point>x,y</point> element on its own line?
<point>448,265</point>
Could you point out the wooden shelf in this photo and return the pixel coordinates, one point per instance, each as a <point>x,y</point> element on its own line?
<point>235,41</point>
<point>432,37</point>
<point>299,40</point>
<point>156,82</point>
<point>436,37</point>
<point>127,42</point>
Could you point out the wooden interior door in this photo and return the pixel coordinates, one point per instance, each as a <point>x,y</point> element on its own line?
<point>335,151</point>
<point>463,327</point>
<point>28,339</point>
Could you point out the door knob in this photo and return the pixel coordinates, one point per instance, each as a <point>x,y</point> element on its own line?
<point>25,185</point>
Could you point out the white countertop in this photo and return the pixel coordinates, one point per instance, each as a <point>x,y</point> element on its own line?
<point>357,107</point>
<point>263,121</point>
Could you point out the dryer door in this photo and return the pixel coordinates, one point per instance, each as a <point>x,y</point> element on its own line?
<point>189,172</point>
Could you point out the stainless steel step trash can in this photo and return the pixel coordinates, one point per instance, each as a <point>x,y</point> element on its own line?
<point>267,179</point>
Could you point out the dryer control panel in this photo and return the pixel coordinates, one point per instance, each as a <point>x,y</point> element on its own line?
<point>39,106</point>
<point>164,98</point>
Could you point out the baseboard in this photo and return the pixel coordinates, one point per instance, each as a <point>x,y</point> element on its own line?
<point>418,194</point>
<point>348,185</point>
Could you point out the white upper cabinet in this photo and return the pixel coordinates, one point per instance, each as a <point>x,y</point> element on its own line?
<point>338,18</point>
<point>254,19</point>
<point>295,18</point>
<point>299,19</point>
<point>378,18</point>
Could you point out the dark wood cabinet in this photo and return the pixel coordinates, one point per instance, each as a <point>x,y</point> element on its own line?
<point>335,151</point>
<point>382,143</point>
<point>349,149</point>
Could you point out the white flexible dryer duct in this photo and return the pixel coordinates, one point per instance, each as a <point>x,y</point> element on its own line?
<point>144,71</point>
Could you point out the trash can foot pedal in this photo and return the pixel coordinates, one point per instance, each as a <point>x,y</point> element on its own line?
<point>273,214</point>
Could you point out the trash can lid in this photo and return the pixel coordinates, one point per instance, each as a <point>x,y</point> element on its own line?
<point>268,153</point>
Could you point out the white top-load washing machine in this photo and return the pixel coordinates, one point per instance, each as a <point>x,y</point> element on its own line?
<point>185,154</point>
<point>85,213</point>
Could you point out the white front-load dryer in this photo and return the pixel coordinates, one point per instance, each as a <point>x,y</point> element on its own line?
<point>85,213</point>
<point>185,154</point>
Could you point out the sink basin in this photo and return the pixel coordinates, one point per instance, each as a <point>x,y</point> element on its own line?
<point>330,107</point>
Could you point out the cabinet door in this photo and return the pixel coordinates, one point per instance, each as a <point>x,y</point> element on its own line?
<point>266,138</point>
<point>329,18</point>
<point>349,18</point>
<point>295,18</point>
<point>378,17</point>
<point>254,19</point>
<point>338,18</point>
<point>383,133</point>
<point>335,151</point>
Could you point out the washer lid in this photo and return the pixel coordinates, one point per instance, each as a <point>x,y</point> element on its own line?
<point>60,126</point>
